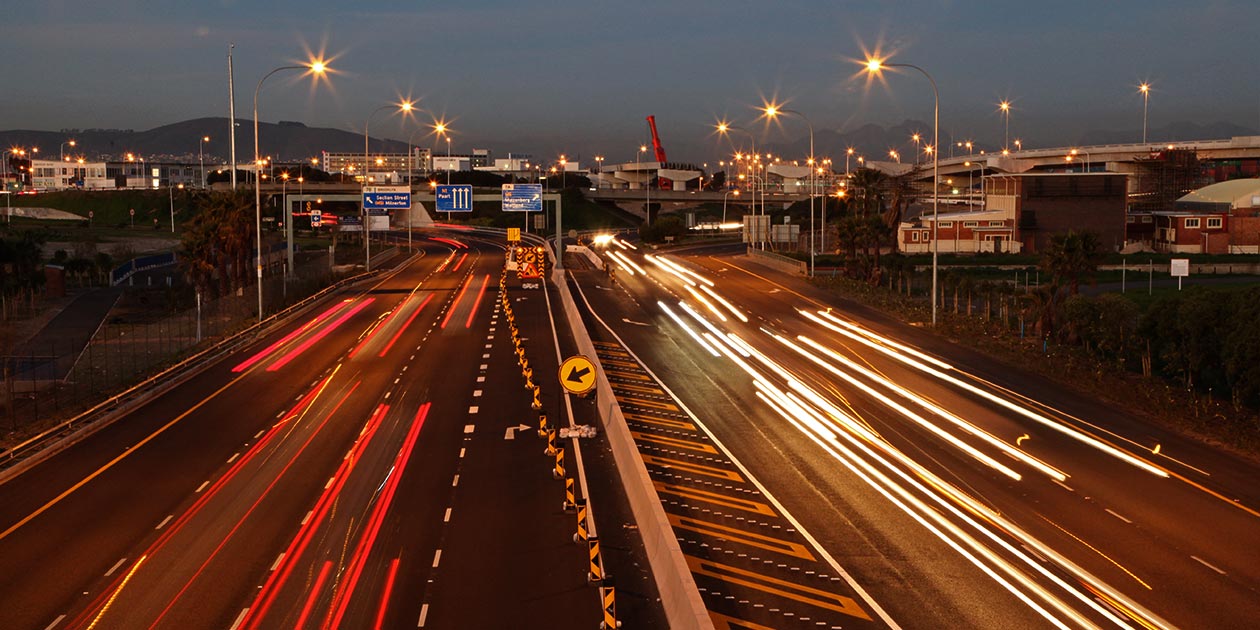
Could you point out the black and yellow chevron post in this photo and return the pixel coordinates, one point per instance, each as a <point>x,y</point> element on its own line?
<point>581,535</point>
<point>542,425</point>
<point>537,404</point>
<point>558,471</point>
<point>596,574</point>
<point>550,451</point>
<point>569,503</point>
<point>608,592</point>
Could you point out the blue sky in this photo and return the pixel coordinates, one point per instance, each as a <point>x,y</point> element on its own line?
<point>579,77</point>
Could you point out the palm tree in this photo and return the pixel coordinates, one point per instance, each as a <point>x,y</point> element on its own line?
<point>1071,257</point>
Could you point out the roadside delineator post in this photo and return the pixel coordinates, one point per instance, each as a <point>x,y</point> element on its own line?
<point>550,451</point>
<point>596,574</point>
<point>608,591</point>
<point>568,494</point>
<point>537,399</point>
<point>542,425</point>
<point>581,535</point>
<point>558,471</point>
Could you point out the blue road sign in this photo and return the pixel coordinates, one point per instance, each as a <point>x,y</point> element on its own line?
<point>386,197</point>
<point>453,198</point>
<point>522,198</point>
<point>317,218</point>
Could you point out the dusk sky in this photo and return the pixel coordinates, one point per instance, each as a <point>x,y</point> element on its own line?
<point>579,77</point>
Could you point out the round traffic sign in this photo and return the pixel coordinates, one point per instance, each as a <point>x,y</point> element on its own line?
<point>577,375</point>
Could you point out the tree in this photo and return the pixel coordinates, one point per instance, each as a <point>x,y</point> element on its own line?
<point>218,242</point>
<point>1070,258</point>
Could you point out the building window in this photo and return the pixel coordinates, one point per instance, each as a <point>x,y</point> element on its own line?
<point>1147,219</point>
<point>1214,223</point>
<point>971,224</point>
<point>947,224</point>
<point>1130,219</point>
<point>995,224</point>
<point>914,237</point>
<point>1192,223</point>
<point>925,236</point>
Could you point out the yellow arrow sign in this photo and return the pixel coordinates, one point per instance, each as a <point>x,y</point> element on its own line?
<point>577,375</point>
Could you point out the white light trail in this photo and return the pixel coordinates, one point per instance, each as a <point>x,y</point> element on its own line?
<point>721,300</point>
<point>678,320</point>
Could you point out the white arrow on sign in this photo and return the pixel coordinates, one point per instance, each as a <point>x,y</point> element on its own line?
<point>510,434</point>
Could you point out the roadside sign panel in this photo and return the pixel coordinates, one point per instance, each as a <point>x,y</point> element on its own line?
<point>454,198</point>
<point>387,197</point>
<point>514,235</point>
<point>317,218</point>
<point>522,198</point>
<point>1180,267</point>
<point>350,223</point>
<point>577,375</point>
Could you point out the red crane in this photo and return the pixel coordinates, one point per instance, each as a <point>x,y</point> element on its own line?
<point>662,183</point>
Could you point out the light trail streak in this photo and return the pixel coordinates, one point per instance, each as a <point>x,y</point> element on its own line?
<point>245,365</point>
<point>668,269</point>
<point>707,304</point>
<point>1071,432</point>
<point>721,300</point>
<point>678,320</point>
<point>313,339</point>
<point>683,270</point>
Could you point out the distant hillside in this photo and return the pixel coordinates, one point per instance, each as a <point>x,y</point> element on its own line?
<point>287,141</point>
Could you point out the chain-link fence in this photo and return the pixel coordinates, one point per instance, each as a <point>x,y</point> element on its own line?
<point>148,330</point>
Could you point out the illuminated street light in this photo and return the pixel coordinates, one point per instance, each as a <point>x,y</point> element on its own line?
<point>63,148</point>
<point>404,108</point>
<point>1145,90</point>
<point>315,68</point>
<point>773,111</point>
<point>725,129</point>
<point>1005,108</point>
<point>201,157</point>
<point>875,66</point>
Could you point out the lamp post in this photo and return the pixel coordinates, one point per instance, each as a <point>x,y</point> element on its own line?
<point>317,68</point>
<point>1005,108</point>
<point>725,129</point>
<point>404,107</point>
<point>848,153</point>
<point>970,190</point>
<point>874,66</point>
<point>1072,156</point>
<point>647,186</point>
<point>201,157</point>
<point>448,166</point>
<point>736,191</point>
<point>916,137</point>
<point>773,111</point>
<point>170,192</point>
<point>63,148</point>
<point>1145,89</point>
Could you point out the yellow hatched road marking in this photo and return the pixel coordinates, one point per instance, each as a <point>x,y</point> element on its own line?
<point>621,364</point>
<point>640,436</point>
<point>605,344</point>
<point>657,420</point>
<point>643,402</point>
<point>640,389</point>
<point>783,588</point>
<point>634,376</point>
<point>612,353</point>
<point>722,622</point>
<point>713,497</point>
<point>786,547</point>
<point>699,469</point>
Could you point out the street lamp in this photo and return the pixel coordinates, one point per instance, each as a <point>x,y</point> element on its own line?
<point>970,189</point>
<point>647,187</point>
<point>404,108</point>
<point>170,193</point>
<point>63,148</point>
<point>771,112</point>
<point>915,138</point>
<point>1145,89</point>
<point>848,153</point>
<point>1072,156</point>
<point>725,129</point>
<point>874,66</point>
<point>892,153</point>
<point>1005,107</point>
<point>201,157</point>
<point>736,191</point>
<point>316,68</point>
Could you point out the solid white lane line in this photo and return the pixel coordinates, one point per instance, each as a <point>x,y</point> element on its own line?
<point>279,559</point>
<point>1117,515</point>
<point>424,613</point>
<point>1207,564</point>
<point>437,558</point>
<point>445,519</point>
<point>165,521</point>
<point>54,623</point>
<point>202,486</point>
<point>115,567</point>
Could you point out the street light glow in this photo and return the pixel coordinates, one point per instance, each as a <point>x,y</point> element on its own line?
<point>874,65</point>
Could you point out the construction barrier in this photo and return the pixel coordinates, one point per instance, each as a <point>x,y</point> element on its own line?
<point>542,425</point>
<point>581,534</point>
<point>551,443</point>
<point>596,574</point>
<point>537,399</point>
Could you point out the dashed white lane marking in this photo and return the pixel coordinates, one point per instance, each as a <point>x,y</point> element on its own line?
<point>486,355</point>
<point>483,367</point>
<point>233,457</point>
<point>455,481</point>
<point>115,567</point>
<point>54,623</point>
<point>308,516</point>
<point>489,345</point>
<point>472,410</point>
<point>437,558</point>
<point>279,559</point>
<point>202,486</point>
<point>397,379</point>
<point>424,613</point>
<point>468,428</point>
<point>1207,564</point>
<point>259,434</point>
<point>239,618</point>
<point>1118,516</point>
<point>445,519</point>
<point>1065,486</point>
<point>461,453</point>
<point>330,482</point>
<point>165,521</point>
<point>481,379</point>
<point>476,393</point>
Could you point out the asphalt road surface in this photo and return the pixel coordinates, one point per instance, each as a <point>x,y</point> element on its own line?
<point>950,490</point>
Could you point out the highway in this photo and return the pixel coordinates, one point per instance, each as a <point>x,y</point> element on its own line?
<point>951,490</point>
<point>309,479</point>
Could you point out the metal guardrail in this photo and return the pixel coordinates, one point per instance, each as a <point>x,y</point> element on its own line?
<point>779,261</point>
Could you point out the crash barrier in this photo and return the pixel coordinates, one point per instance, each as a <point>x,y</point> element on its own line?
<point>779,261</point>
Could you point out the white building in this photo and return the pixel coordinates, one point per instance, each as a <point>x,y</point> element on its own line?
<point>60,175</point>
<point>391,167</point>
